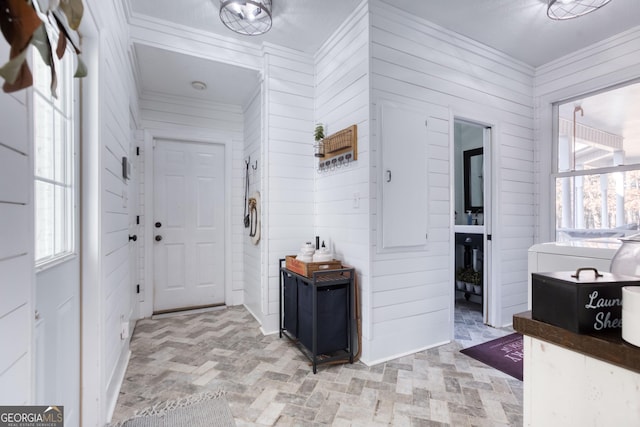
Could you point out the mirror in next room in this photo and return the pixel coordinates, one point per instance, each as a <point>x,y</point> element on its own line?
<point>469,170</point>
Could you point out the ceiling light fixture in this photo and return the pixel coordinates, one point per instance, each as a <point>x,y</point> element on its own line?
<point>198,85</point>
<point>247,17</point>
<point>567,9</point>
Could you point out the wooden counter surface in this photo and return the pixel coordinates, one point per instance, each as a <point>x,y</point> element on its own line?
<point>608,347</point>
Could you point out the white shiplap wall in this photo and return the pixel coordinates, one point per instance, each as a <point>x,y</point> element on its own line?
<point>287,198</point>
<point>186,119</point>
<point>252,259</point>
<point>427,67</point>
<point>342,100</point>
<point>115,104</point>
<point>16,248</point>
<point>608,63</point>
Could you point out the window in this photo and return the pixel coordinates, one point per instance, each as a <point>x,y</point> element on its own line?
<point>597,176</point>
<point>54,172</point>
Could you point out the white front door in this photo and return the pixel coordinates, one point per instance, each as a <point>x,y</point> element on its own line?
<point>188,225</point>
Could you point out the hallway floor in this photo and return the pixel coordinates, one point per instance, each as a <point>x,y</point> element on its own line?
<point>268,382</point>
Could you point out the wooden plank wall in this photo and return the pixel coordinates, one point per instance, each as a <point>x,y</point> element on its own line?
<point>115,104</point>
<point>418,63</point>
<point>252,254</point>
<point>288,178</point>
<point>342,209</point>
<point>16,248</point>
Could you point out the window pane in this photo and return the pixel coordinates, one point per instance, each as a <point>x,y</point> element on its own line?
<point>61,215</point>
<point>44,144</point>
<point>53,160</point>
<point>598,205</point>
<point>599,130</point>
<point>41,74</point>
<point>45,214</point>
<point>59,148</point>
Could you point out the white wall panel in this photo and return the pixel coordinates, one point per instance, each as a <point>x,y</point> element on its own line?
<point>15,226</point>
<point>13,111</point>
<point>14,176</point>
<point>252,254</point>
<point>15,389</point>
<point>288,115</point>
<point>14,286</point>
<point>342,208</point>
<point>15,332</point>
<point>422,65</point>
<point>16,249</point>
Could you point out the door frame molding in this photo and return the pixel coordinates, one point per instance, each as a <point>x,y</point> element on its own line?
<point>186,135</point>
<point>492,305</point>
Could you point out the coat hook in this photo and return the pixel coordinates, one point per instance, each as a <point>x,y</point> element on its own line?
<point>247,162</point>
<point>255,168</point>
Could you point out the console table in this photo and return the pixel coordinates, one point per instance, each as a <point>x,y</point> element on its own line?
<point>317,313</point>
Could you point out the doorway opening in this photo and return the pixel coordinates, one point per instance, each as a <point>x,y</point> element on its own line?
<point>471,231</point>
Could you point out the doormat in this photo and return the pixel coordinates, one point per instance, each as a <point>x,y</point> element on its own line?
<point>201,410</point>
<point>505,354</point>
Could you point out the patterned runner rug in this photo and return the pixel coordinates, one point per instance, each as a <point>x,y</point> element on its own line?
<point>200,410</point>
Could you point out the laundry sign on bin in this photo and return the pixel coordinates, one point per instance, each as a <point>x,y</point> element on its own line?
<point>584,301</point>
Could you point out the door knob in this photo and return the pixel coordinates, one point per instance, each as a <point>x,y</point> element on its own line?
<point>158,224</point>
<point>158,238</point>
<point>134,237</point>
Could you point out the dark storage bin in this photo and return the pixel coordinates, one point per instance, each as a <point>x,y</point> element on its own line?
<point>584,301</point>
<point>332,317</point>
<point>290,291</point>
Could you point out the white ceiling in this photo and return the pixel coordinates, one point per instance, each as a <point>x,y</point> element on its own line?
<point>169,73</point>
<point>519,28</point>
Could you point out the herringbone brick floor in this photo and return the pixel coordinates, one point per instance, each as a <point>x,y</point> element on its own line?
<point>268,382</point>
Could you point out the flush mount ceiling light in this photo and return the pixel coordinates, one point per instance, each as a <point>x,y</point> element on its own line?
<point>198,85</point>
<point>251,18</point>
<point>568,9</point>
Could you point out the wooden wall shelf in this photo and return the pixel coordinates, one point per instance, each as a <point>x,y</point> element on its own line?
<point>339,149</point>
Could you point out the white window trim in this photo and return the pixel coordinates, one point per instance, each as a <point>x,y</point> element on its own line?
<point>72,170</point>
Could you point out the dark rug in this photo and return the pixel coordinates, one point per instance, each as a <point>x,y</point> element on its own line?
<point>505,354</point>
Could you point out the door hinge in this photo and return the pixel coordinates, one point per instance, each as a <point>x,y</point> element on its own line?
<point>137,151</point>
<point>488,236</point>
<point>138,219</point>
<point>137,289</point>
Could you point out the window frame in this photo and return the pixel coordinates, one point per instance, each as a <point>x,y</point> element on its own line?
<point>64,109</point>
<point>555,141</point>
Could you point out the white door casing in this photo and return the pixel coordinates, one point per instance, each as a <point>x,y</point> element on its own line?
<point>189,207</point>
<point>488,221</point>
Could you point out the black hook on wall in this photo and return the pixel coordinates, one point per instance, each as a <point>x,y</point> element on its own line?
<point>248,162</point>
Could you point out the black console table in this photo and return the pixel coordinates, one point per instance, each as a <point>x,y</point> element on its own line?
<point>317,313</point>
